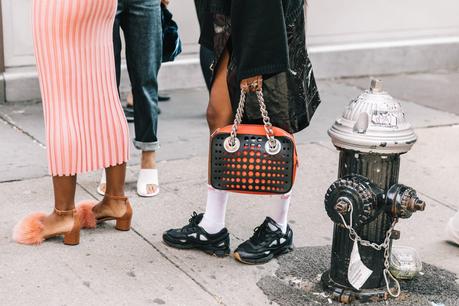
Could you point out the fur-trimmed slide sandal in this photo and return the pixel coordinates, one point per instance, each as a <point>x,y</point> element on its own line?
<point>31,230</point>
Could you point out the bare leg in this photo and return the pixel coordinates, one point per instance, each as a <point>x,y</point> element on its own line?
<point>219,114</point>
<point>130,99</point>
<point>219,110</point>
<point>116,176</point>
<point>64,199</point>
<point>148,160</point>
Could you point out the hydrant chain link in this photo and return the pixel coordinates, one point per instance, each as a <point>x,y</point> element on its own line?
<point>355,237</point>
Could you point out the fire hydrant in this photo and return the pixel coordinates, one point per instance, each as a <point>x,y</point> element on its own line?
<point>366,201</point>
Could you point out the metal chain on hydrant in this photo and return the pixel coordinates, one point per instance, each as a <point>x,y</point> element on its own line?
<point>385,245</point>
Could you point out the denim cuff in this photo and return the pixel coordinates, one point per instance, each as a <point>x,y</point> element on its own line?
<point>146,146</point>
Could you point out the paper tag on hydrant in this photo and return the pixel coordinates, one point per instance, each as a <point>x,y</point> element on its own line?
<point>358,273</point>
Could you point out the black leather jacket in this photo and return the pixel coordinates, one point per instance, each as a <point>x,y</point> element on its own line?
<point>265,37</point>
<point>258,32</point>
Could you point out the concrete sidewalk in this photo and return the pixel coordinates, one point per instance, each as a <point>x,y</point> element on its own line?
<point>136,268</point>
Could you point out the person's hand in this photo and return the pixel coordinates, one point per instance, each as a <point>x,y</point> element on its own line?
<point>252,84</point>
<point>165,2</point>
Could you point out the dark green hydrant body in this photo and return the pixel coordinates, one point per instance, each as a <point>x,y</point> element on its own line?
<point>366,201</point>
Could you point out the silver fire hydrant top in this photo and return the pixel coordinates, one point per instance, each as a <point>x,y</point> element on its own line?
<point>374,122</point>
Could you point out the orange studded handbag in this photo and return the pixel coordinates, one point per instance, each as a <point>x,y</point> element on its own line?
<point>251,158</point>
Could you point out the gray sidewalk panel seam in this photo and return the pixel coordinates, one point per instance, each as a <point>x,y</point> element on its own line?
<point>24,179</point>
<point>177,266</point>
<point>10,122</point>
<point>446,205</point>
<point>437,126</point>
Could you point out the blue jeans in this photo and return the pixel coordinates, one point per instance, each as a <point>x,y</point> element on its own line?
<point>141,24</point>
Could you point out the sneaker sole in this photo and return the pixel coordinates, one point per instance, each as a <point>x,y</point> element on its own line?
<point>264,259</point>
<point>217,253</point>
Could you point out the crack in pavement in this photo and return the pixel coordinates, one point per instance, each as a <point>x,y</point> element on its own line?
<point>23,179</point>
<point>437,126</point>
<point>164,255</point>
<point>450,206</point>
<point>88,192</point>
<point>7,119</point>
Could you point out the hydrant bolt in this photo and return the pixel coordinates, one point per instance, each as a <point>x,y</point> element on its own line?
<point>395,235</point>
<point>376,86</point>
<point>415,204</point>
<point>342,206</point>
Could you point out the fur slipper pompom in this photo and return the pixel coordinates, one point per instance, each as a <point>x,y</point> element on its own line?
<point>87,218</point>
<point>30,229</point>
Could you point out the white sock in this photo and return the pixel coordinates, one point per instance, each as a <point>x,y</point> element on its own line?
<point>214,217</point>
<point>281,206</point>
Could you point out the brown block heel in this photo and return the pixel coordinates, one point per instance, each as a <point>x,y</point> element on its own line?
<point>72,237</point>
<point>124,223</point>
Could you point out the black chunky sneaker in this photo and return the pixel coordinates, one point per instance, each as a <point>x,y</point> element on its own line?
<point>192,236</point>
<point>265,244</point>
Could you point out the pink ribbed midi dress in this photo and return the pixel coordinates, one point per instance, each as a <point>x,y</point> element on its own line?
<point>85,125</point>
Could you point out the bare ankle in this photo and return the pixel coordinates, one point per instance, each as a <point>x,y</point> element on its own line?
<point>115,197</point>
<point>56,216</point>
<point>59,222</point>
<point>110,192</point>
<point>148,160</point>
<point>111,207</point>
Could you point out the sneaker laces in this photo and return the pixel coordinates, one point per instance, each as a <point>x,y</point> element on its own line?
<point>258,234</point>
<point>193,221</point>
<point>262,232</point>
